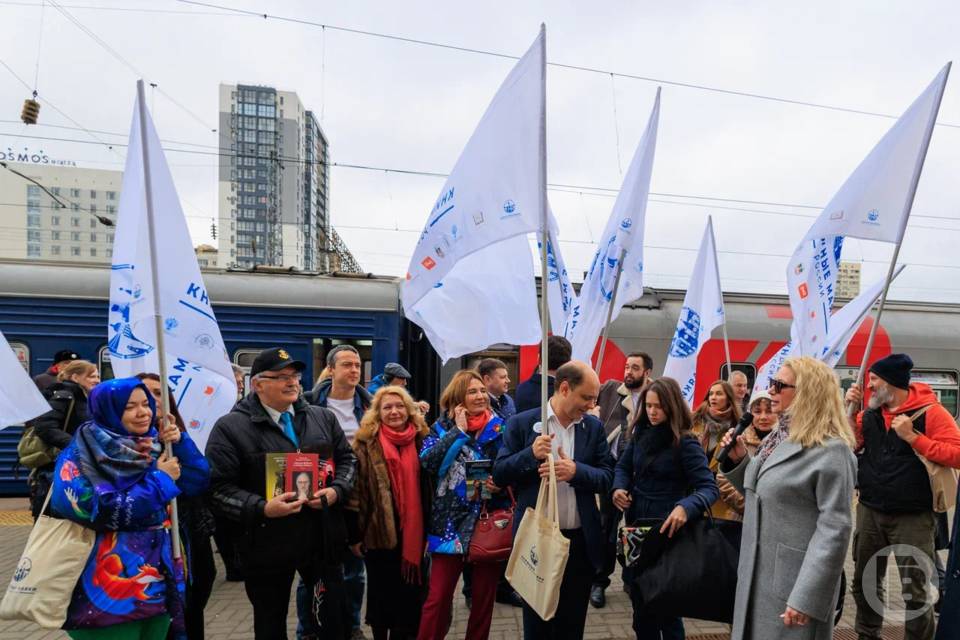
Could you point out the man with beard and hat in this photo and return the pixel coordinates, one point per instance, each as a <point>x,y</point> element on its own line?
<point>903,422</point>
<point>616,408</point>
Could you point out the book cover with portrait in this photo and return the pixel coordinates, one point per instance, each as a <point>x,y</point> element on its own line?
<point>303,474</point>
<point>276,480</point>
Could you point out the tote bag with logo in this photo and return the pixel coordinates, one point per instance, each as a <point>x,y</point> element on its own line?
<point>49,568</point>
<point>540,551</point>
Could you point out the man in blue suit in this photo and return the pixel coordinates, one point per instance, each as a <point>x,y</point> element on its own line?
<point>584,468</point>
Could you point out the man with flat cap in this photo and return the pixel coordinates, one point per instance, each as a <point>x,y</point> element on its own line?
<point>903,422</point>
<point>280,535</point>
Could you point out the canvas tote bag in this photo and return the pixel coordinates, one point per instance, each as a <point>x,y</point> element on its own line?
<point>540,551</point>
<point>43,582</point>
<point>943,480</point>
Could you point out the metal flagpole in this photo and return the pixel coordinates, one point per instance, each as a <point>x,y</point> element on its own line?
<point>155,280</point>
<point>613,301</point>
<point>716,266</point>
<point>908,207</point>
<point>544,308</point>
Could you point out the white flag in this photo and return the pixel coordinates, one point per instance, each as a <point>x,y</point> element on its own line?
<point>561,297</point>
<point>702,312</point>
<point>624,232</point>
<point>198,370</point>
<point>873,204</point>
<point>20,400</point>
<point>470,282</point>
<point>843,325</point>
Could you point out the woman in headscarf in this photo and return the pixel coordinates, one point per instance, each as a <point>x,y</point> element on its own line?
<point>391,500</point>
<point>115,478</point>
<point>196,527</point>
<point>718,412</point>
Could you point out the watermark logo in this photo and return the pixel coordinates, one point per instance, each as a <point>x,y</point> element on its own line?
<point>915,567</point>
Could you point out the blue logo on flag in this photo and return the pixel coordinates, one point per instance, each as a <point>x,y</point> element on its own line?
<point>873,217</point>
<point>687,338</point>
<point>626,223</point>
<point>509,209</point>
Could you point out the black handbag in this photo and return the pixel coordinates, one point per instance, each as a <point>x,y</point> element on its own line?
<point>694,575</point>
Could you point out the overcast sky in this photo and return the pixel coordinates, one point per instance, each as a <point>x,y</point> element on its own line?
<point>398,105</point>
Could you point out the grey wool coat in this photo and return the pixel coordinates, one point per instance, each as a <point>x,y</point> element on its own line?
<point>796,529</point>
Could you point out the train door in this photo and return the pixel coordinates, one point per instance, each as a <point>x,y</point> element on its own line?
<point>510,357</point>
<point>746,368</point>
<point>104,364</point>
<point>323,346</point>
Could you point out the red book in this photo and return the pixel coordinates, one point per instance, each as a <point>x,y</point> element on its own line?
<point>302,474</point>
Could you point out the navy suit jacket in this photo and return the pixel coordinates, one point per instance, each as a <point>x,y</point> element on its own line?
<point>528,392</point>
<point>516,466</point>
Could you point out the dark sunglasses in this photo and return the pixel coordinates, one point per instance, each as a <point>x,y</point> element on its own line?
<point>777,386</point>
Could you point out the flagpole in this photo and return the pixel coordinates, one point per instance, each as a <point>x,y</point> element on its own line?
<point>716,266</point>
<point>544,308</point>
<point>158,320</point>
<point>908,207</point>
<point>613,301</point>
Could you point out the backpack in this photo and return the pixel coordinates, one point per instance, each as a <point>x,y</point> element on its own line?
<point>32,451</point>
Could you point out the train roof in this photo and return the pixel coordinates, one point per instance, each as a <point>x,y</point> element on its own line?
<point>41,279</point>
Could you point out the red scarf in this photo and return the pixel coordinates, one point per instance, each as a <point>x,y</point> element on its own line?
<point>403,467</point>
<point>479,421</point>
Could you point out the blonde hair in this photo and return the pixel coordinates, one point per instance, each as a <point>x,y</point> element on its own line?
<point>76,367</point>
<point>371,419</point>
<point>816,413</point>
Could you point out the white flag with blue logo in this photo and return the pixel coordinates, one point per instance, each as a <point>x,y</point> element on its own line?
<point>561,298</point>
<point>702,312</point>
<point>198,371</point>
<point>20,400</point>
<point>469,283</point>
<point>624,232</point>
<point>873,204</point>
<point>843,325</point>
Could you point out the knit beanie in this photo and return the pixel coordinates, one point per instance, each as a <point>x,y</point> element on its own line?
<point>894,369</point>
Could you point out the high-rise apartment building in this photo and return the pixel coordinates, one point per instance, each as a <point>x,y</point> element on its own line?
<point>848,280</point>
<point>274,181</point>
<point>58,221</point>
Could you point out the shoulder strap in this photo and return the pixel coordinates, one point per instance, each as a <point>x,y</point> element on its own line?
<point>66,421</point>
<point>919,412</point>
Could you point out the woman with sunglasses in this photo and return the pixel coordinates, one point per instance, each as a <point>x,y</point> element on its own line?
<point>801,478</point>
<point>718,412</point>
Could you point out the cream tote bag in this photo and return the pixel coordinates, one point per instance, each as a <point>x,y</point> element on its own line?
<point>540,551</point>
<point>49,568</point>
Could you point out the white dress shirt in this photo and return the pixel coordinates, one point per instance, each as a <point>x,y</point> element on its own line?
<point>275,415</point>
<point>566,495</point>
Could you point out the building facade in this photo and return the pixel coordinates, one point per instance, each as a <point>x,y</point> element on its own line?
<point>58,221</point>
<point>207,256</point>
<point>848,280</point>
<point>274,188</point>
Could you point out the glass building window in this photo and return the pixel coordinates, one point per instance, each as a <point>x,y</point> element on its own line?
<point>93,237</point>
<point>54,235</point>
<point>111,209</point>
<point>93,194</point>
<point>33,235</point>
<point>75,251</point>
<point>74,222</point>
<point>55,221</point>
<point>93,252</point>
<point>74,193</point>
<point>75,236</point>
<point>33,250</point>
<point>33,219</point>
<point>74,206</point>
<point>55,250</point>
<point>33,191</point>
<point>111,195</point>
<point>93,223</point>
<point>55,191</point>
<point>33,206</point>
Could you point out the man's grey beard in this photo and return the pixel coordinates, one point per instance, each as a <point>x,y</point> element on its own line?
<point>881,395</point>
<point>636,384</point>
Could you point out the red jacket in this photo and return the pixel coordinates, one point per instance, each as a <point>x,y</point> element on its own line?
<point>941,441</point>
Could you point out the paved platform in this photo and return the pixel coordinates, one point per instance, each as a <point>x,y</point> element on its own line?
<point>229,616</point>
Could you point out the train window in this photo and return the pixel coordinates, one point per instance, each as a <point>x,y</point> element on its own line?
<point>22,352</point>
<point>322,346</point>
<point>103,360</point>
<point>744,367</point>
<point>510,358</point>
<point>245,357</point>
<point>946,384</point>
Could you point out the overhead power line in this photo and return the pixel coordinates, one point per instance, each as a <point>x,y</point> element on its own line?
<point>496,54</point>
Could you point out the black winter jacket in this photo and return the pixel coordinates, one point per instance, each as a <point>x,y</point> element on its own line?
<point>54,427</point>
<point>237,451</point>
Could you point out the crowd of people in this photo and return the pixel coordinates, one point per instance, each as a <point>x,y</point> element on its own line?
<point>394,523</point>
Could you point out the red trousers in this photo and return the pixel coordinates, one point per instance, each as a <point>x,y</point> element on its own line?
<point>445,571</point>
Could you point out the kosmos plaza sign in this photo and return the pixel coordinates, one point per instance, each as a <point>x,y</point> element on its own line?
<point>9,154</point>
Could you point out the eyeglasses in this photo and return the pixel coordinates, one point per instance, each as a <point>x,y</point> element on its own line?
<point>285,378</point>
<point>777,386</point>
